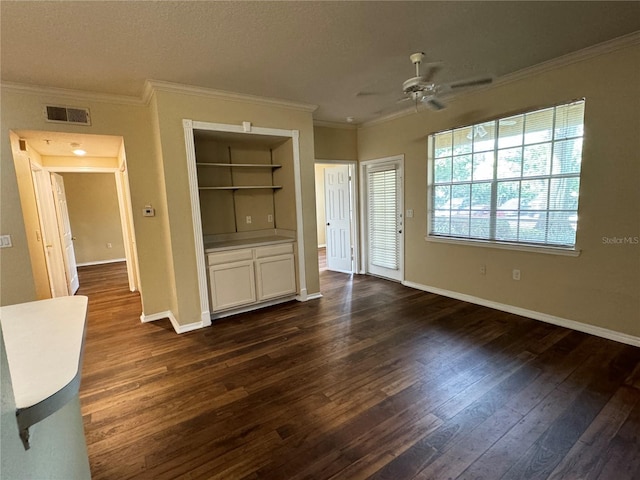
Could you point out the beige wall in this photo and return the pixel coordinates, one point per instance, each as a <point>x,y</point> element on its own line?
<point>601,286</point>
<point>21,109</point>
<point>339,143</point>
<point>92,201</point>
<point>172,108</point>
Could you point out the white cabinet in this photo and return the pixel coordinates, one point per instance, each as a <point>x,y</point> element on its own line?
<point>232,285</point>
<point>275,276</point>
<point>242,277</point>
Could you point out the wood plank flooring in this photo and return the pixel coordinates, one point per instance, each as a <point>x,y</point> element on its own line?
<point>374,380</point>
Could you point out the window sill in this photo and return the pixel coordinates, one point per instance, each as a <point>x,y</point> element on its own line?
<point>569,252</point>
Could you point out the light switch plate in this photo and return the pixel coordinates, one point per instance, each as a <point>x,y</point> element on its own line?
<point>5,241</point>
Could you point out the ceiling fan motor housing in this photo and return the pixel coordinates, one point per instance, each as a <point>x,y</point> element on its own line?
<point>417,84</point>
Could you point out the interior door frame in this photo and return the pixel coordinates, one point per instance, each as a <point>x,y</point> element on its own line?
<point>355,207</point>
<point>364,237</point>
<point>125,209</point>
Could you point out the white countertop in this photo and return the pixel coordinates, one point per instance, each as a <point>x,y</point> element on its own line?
<point>43,341</point>
<point>234,243</point>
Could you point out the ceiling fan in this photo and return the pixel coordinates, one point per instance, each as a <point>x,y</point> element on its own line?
<point>422,88</point>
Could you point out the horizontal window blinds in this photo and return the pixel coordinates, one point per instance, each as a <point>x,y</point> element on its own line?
<point>382,188</point>
<point>513,180</point>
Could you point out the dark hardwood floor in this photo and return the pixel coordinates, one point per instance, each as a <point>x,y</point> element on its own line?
<point>322,259</point>
<point>374,380</point>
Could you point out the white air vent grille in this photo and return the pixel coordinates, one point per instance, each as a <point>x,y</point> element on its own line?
<point>57,114</point>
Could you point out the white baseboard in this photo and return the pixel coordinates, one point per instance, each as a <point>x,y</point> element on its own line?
<point>543,317</point>
<point>101,262</point>
<point>313,296</point>
<point>176,326</point>
<point>324,245</point>
<point>251,308</point>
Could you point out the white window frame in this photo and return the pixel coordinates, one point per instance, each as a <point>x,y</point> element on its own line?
<point>491,243</point>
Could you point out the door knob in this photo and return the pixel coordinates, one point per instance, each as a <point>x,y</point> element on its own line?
<point>328,224</point>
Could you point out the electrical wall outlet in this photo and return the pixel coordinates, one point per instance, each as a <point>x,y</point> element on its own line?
<point>409,213</point>
<point>148,211</point>
<point>248,218</point>
<point>483,269</point>
<point>270,218</point>
<point>516,274</point>
<point>109,245</point>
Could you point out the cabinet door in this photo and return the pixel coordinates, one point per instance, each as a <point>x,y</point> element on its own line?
<point>276,276</point>
<point>232,285</point>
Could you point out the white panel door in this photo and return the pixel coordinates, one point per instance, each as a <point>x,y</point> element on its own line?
<point>49,233</point>
<point>66,237</point>
<point>384,219</point>
<point>338,217</point>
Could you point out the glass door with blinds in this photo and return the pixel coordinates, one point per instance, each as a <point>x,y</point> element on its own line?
<point>384,223</point>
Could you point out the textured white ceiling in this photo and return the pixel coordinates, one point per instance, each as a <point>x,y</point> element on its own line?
<point>321,53</point>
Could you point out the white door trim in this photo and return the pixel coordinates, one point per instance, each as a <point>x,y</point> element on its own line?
<point>399,159</point>
<point>247,129</point>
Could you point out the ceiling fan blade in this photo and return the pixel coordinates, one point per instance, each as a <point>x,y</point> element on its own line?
<point>472,82</point>
<point>433,103</point>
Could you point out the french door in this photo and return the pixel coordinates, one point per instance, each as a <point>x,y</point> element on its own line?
<point>384,221</point>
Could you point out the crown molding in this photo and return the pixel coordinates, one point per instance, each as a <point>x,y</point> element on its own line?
<point>619,43</point>
<point>152,86</point>
<point>588,53</point>
<point>344,126</point>
<point>72,94</point>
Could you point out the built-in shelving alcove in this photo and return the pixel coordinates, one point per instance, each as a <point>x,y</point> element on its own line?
<point>245,193</point>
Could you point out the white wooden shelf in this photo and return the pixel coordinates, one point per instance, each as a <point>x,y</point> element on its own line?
<point>242,187</point>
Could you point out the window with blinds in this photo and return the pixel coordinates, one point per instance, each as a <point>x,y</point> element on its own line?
<point>512,180</point>
<point>384,248</point>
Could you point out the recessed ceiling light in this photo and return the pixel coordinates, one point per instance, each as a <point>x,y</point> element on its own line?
<point>77,150</point>
<point>350,119</point>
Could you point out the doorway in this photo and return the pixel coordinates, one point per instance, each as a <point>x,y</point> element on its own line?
<point>40,157</point>
<point>383,221</point>
<point>336,215</point>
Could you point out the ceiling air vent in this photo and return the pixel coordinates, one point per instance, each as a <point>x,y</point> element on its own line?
<point>58,114</point>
